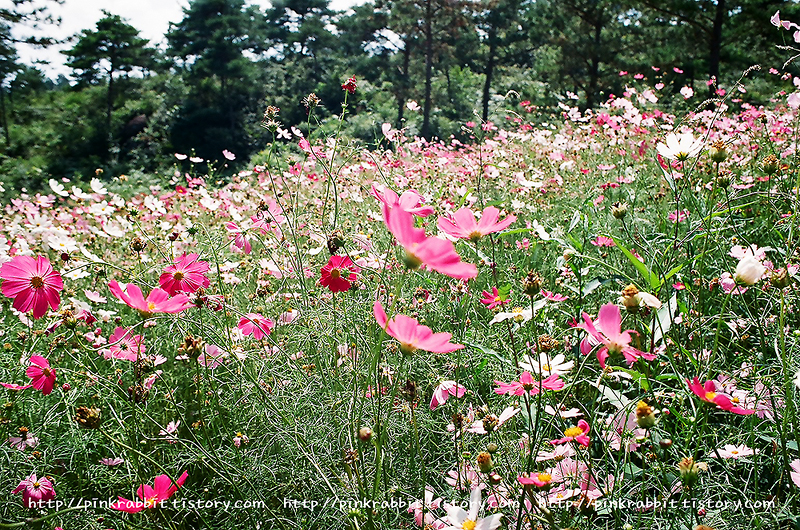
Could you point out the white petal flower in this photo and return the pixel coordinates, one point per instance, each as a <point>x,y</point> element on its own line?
<point>680,146</point>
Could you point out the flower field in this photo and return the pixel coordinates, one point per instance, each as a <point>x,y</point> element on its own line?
<point>582,321</point>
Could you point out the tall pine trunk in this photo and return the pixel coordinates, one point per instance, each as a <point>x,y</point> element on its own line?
<point>426,113</point>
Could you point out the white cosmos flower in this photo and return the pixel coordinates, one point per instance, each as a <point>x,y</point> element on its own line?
<point>680,146</point>
<point>547,366</point>
<point>58,188</point>
<point>460,519</point>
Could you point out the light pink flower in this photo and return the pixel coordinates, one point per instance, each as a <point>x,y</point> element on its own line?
<point>256,325</point>
<point>158,301</point>
<point>794,474</point>
<point>410,201</point>
<point>24,441</point>
<point>508,413</point>
<point>462,224</point>
<point>151,497</point>
<point>428,505</point>
<point>606,331</point>
<point>212,356</point>
<point>32,283</point>
<point>111,462</point>
<point>187,274</point>
<point>528,385</point>
<point>436,254</point>
<point>733,451</point>
<point>412,335</point>
<point>444,391</point>
<point>35,491</point>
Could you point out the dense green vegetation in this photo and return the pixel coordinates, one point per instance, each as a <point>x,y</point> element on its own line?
<point>130,107</point>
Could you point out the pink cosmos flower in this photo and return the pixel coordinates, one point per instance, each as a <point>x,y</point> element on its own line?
<point>25,440</point>
<point>412,335</point>
<point>338,273</point>
<point>125,345</point>
<point>42,376</point>
<point>603,241</point>
<point>436,254</point>
<point>410,201</point>
<point>555,297</point>
<point>187,274</point>
<point>444,391</point>
<point>540,480</point>
<point>678,216</point>
<point>606,330</point>
<point>734,451</point>
<point>527,384</point>
<point>212,356</point>
<point>492,300</point>
<point>708,393</point>
<point>462,225</point>
<point>795,473</point>
<point>151,497</point>
<point>111,462</point>
<point>575,434</point>
<point>429,505</point>
<point>256,325</point>
<point>35,491</point>
<point>241,239</point>
<point>158,301</point>
<point>32,283</point>
<point>478,427</point>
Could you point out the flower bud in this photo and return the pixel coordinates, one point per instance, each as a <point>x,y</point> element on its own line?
<point>690,471</point>
<point>619,210</point>
<point>485,463</point>
<point>717,152</point>
<point>645,415</point>
<point>491,448</point>
<point>770,164</point>
<point>779,278</point>
<point>365,434</point>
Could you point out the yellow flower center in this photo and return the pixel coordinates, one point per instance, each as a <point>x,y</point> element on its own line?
<point>497,299</point>
<point>37,282</point>
<point>545,477</point>
<point>475,236</point>
<point>335,274</point>
<point>572,432</point>
<point>711,395</point>
<point>36,485</point>
<point>735,400</point>
<point>469,524</point>
<point>546,367</point>
<point>151,306</point>
<point>177,276</point>
<point>518,314</point>
<point>151,502</point>
<point>734,452</point>
<point>46,372</point>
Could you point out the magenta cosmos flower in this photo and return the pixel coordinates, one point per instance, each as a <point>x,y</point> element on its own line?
<point>42,376</point>
<point>493,299</point>
<point>575,434</point>
<point>462,225</point>
<point>338,273</point>
<point>606,331</point>
<point>187,274</point>
<point>708,393</point>
<point>123,344</point>
<point>35,491</point>
<point>528,385</point>
<point>32,283</point>
<point>435,253</point>
<point>151,497</point>
<point>158,301</point>
<point>412,335</point>
<point>256,325</point>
